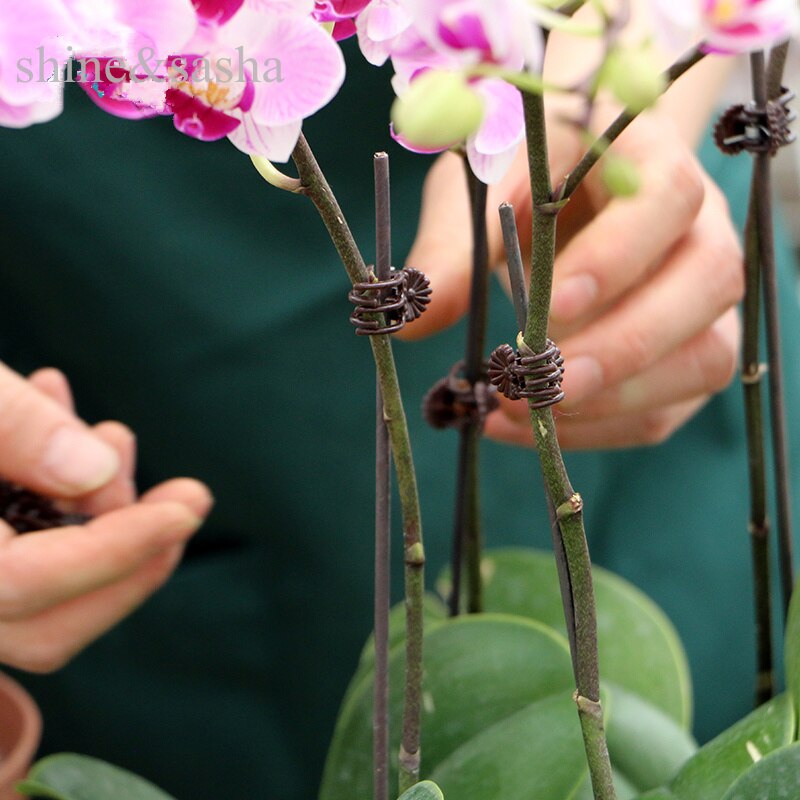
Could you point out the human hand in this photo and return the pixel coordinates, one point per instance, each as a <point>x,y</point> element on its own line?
<point>62,588</point>
<point>644,295</point>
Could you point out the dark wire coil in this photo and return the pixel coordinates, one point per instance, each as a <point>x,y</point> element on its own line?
<point>754,129</point>
<point>401,298</point>
<point>379,297</point>
<point>453,402</point>
<point>536,377</point>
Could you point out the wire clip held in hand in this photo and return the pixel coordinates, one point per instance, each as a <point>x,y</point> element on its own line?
<point>402,298</point>
<point>754,129</point>
<point>453,402</point>
<point>535,377</point>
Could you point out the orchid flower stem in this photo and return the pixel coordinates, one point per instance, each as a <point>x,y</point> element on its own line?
<point>516,274</point>
<point>616,128</point>
<point>567,502</point>
<point>383,494</point>
<point>316,187</point>
<point>467,528</point>
<point>752,372</point>
<point>767,87</point>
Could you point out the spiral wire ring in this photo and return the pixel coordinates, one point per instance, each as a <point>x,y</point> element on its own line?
<point>754,129</point>
<point>536,377</point>
<point>453,402</point>
<point>401,298</point>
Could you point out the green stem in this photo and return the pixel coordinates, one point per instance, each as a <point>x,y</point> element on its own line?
<point>316,187</point>
<point>603,142</point>
<point>752,373</point>
<point>763,219</point>
<point>568,504</point>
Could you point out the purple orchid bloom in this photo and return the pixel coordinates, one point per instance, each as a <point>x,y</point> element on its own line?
<point>38,37</point>
<point>252,73</point>
<point>727,27</point>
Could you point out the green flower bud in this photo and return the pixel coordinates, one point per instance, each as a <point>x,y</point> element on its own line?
<point>633,76</point>
<point>438,110</point>
<point>620,176</point>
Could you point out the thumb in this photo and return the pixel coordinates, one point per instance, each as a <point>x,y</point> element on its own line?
<point>45,447</point>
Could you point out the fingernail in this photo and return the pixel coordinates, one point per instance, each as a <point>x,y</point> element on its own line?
<point>573,297</point>
<point>78,461</point>
<point>583,377</point>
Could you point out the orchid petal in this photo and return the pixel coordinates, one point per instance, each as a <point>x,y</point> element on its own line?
<point>489,168</point>
<point>503,125</point>
<point>167,25</point>
<point>32,33</point>
<point>194,118</point>
<point>311,68</point>
<point>30,114</point>
<point>216,11</point>
<point>275,143</point>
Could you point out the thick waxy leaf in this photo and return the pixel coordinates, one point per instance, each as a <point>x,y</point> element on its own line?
<point>624,789</point>
<point>72,777</point>
<point>434,613</point>
<point>647,747</point>
<point>716,766</point>
<point>639,648</point>
<point>775,777</point>
<point>425,790</point>
<point>478,671</point>
<point>792,648</point>
<point>537,754</point>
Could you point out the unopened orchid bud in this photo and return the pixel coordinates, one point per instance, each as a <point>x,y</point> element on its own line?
<point>439,109</point>
<point>633,75</point>
<point>620,175</point>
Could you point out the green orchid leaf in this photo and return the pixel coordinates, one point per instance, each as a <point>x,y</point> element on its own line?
<point>712,771</point>
<point>434,613</point>
<point>67,776</point>
<point>639,648</point>
<point>792,648</point>
<point>647,747</point>
<point>657,794</point>
<point>424,790</point>
<point>479,670</point>
<point>536,754</point>
<point>774,777</point>
<point>624,790</point>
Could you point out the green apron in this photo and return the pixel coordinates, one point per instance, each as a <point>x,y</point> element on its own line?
<point>208,311</point>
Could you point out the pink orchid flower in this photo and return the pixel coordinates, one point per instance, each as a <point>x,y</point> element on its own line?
<point>342,13</point>
<point>253,72</point>
<point>460,35</point>
<point>727,26</point>
<point>38,37</point>
<point>491,149</point>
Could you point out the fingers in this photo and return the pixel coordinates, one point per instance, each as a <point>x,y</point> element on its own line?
<point>45,569</point>
<point>703,366</point>
<point>628,239</point>
<point>120,491</point>
<point>43,446</point>
<point>700,281</point>
<point>46,642</point>
<point>575,433</point>
<point>53,382</point>
<point>186,491</point>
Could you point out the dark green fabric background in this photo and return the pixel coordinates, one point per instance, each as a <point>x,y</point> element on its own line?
<point>178,291</point>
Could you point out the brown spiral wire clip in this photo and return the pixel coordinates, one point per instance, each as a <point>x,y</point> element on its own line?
<point>535,377</point>
<point>754,129</point>
<point>454,402</point>
<point>401,298</point>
